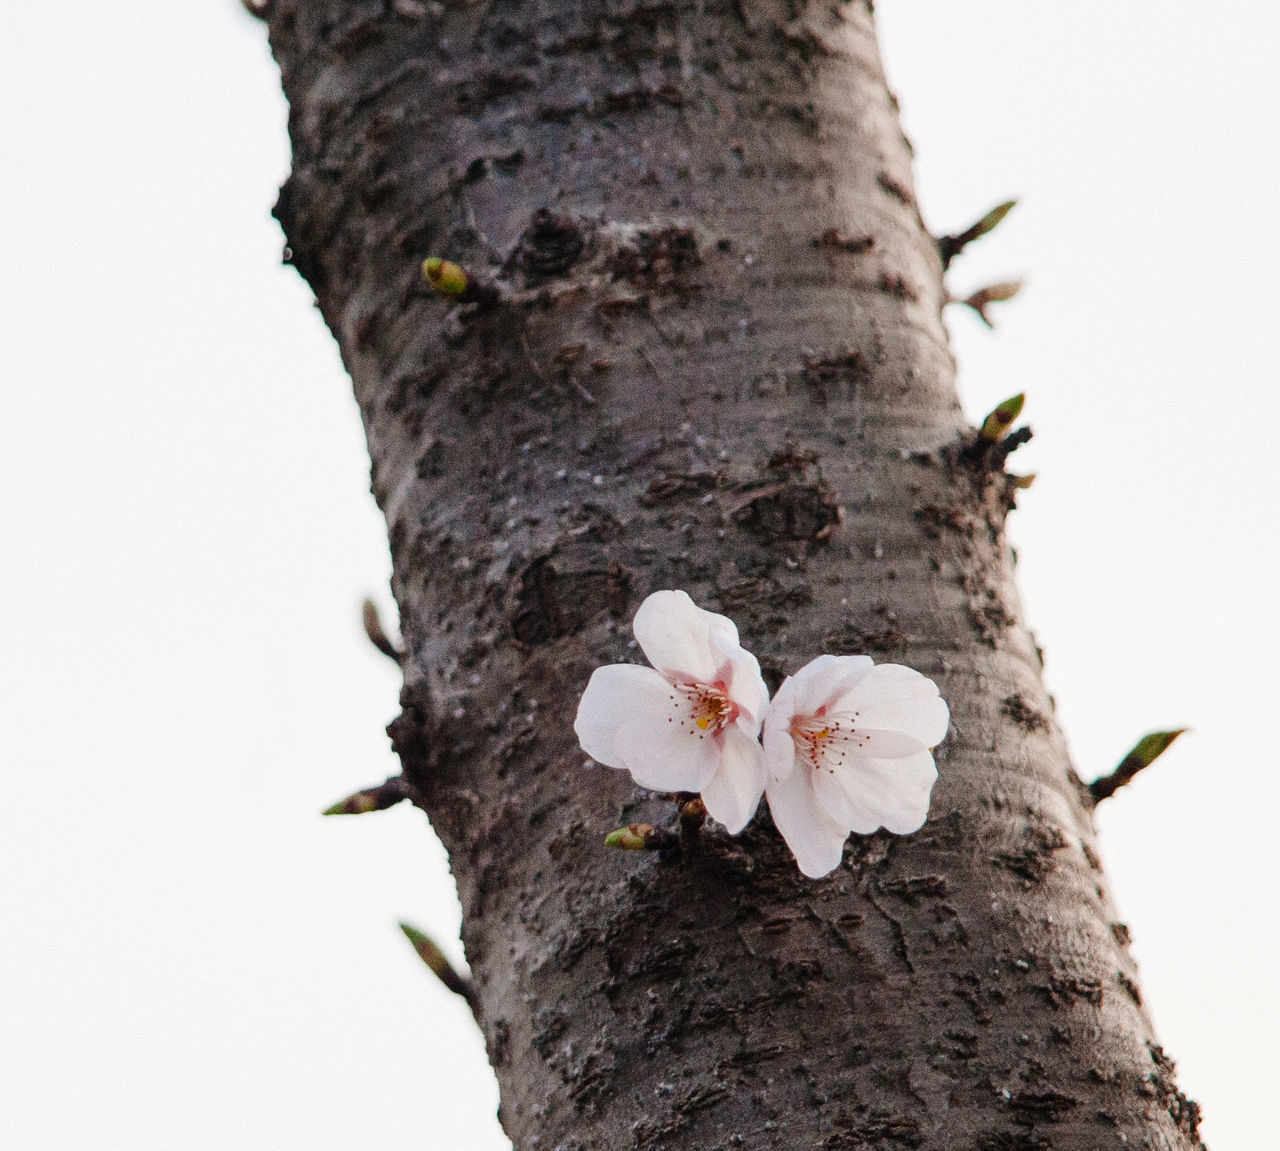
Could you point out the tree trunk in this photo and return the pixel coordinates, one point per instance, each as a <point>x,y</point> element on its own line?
<point>702,348</point>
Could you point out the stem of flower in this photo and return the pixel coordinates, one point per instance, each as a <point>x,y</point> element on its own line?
<point>692,814</point>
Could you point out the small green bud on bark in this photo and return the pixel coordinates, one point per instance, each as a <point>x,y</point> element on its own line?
<point>446,277</point>
<point>997,424</point>
<point>633,837</point>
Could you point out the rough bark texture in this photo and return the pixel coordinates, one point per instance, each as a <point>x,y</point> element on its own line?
<point>713,360</point>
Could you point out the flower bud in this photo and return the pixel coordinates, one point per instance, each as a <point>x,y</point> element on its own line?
<point>448,278</point>
<point>996,426</point>
<point>633,837</point>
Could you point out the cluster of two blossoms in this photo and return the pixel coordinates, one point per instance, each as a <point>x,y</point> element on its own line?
<point>845,746</point>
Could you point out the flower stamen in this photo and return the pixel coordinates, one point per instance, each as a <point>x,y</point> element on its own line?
<point>712,708</point>
<point>819,738</point>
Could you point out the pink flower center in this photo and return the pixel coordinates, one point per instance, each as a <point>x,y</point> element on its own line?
<point>823,740</point>
<point>709,705</point>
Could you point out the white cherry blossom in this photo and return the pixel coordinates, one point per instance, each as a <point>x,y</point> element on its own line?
<point>848,746</point>
<point>691,722</point>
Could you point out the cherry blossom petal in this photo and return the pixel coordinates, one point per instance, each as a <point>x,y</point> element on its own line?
<point>743,681</point>
<point>916,777</point>
<point>632,718</point>
<point>779,746</point>
<point>824,680</point>
<point>860,742</point>
<point>608,701</point>
<point>662,747</point>
<point>896,698</point>
<point>679,638</point>
<point>815,839</point>
<point>866,793</point>
<point>733,793</point>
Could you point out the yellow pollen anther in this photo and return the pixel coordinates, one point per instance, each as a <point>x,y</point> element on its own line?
<point>704,722</point>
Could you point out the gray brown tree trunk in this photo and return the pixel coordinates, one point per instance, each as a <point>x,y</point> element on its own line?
<point>707,353</point>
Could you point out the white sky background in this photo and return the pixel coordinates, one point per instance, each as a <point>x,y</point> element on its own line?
<point>190,956</point>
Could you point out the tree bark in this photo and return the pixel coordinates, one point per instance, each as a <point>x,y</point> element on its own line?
<point>702,349</point>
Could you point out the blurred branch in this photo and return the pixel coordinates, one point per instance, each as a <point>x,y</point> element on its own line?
<point>992,293</point>
<point>1143,753</point>
<point>378,798</point>
<point>430,954</point>
<point>949,247</point>
<point>377,633</point>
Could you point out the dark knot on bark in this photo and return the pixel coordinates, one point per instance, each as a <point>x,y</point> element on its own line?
<point>550,245</point>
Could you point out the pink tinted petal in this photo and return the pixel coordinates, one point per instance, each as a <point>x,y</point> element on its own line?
<point>896,698</point>
<point>815,839</point>
<point>866,793</point>
<point>733,793</point>
<point>609,702</point>
<point>677,637</point>
<point>783,705</point>
<point>826,678</point>
<point>743,681</point>
<point>779,746</point>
